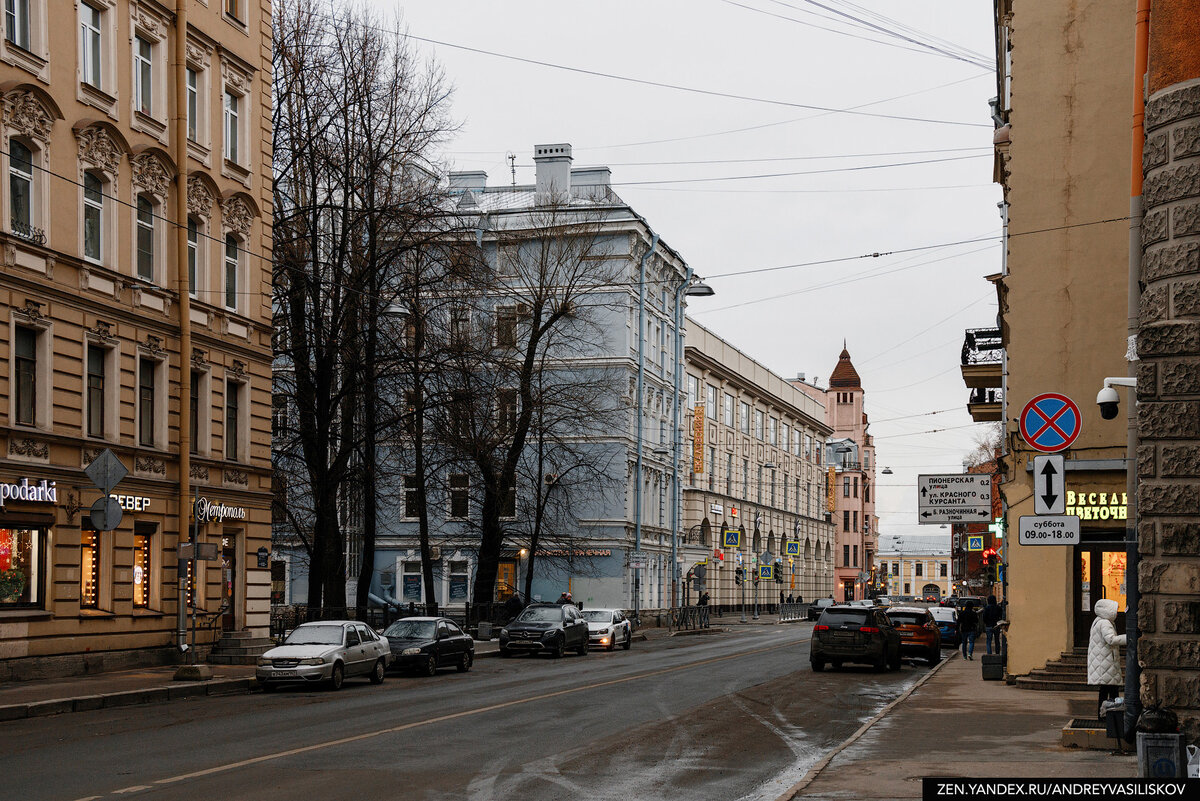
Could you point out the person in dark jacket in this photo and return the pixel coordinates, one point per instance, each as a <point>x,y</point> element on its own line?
<point>514,605</point>
<point>992,615</point>
<point>968,625</point>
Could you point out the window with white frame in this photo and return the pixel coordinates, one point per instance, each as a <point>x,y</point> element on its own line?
<point>236,418</point>
<point>232,271</point>
<point>22,191</point>
<point>193,104</point>
<point>16,23</point>
<point>93,215</point>
<point>101,390</point>
<point>24,401</point>
<point>412,498</point>
<point>143,75</point>
<point>147,401</point>
<point>233,111</point>
<point>460,486</point>
<point>91,50</point>
<point>195,244</point>
<point>146,218</point>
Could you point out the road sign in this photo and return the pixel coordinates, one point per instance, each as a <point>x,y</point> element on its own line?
<point>106,514</point>
<point>764,572</point>
<point>975,542</point>
<point>954,498</point>
<point>791,548</point>
<point>700,570</point>
<point>106,471</point>
<point>1049,530</point>
<point>1050,422</point>
<point>731,538</point>
<point>1049,496</point>
<point>638,560</point>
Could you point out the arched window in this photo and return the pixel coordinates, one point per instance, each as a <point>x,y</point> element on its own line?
<point>20,188</point>
<point>807,548</point>
<point>93,216</point>
<point>771,542</point>
<point>232,258</point>
<point>145,238</point>
<point>705,532</point>
<point>757,541</point>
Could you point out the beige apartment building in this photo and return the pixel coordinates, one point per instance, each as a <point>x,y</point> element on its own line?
<point>915,565</point>
<point>135,247</point>
<point>756,447</point>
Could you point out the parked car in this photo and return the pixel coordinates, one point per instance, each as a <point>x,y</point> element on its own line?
<point>425,644</point>
<point>919,632</point>
<point>607,628</point>
<point>854,634</point>
<point>947,620</point>
<point>817,607</point>
<point>883,600</point>
<point>325,651</point>
<point>961,601</point>
<point>545,628</point>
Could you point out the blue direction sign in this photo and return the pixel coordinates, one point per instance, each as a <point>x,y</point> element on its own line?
<point>975,543</point>
<point>1050,422</point>
<point>764,572</point>
<point>791,549</point>
<point>731,538</point>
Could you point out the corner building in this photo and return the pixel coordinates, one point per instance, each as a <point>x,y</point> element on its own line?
<point>135,248</point>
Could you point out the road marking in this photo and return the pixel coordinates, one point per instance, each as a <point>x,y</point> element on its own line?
<point>135,789</point>
<point>454,716</point>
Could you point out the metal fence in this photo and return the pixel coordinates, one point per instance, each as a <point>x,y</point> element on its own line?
<point>789,613</point>
<point>684,618</point>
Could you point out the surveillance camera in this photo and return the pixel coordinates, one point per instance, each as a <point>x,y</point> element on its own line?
<point>1109,402</point>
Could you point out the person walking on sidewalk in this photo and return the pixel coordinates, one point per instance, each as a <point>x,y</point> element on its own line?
<point>968,628</point>
<point>1104,653</point>
<point>992,614</point>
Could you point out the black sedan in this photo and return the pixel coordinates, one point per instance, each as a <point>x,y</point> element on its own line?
<point>545,628</point>
<point>424,644</point>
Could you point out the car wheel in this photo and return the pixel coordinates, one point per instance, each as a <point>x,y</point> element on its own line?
<point>628,640</point>
<point>560,648</point>
<point>505,653</point>
<point>337,677</point>
<point>582,650</point>
<point>377,673</point>
<point>464,664</point>
<point>818,665</point>
<point>430,666</point>
<point>895,663</point>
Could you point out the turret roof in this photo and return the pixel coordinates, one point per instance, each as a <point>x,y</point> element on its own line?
<point>844,375</point>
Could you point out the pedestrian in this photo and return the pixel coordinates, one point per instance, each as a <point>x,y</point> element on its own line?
<point>704,598</point>
<point>968,628</point>
<point>791,600</point>
<point>781,597</point>
<point>514,605</point>
<point>565,598</point>
<point>992,615</point>
<point>1104,653</point>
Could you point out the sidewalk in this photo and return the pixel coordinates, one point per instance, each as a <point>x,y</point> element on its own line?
<point>956,724</point>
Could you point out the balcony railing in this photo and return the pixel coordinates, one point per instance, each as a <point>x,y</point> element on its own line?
<point>982,346</point>
<point>986,395</point>
<point>27,232</point>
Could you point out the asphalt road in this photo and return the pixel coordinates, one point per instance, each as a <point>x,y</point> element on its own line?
<point>728,716</point>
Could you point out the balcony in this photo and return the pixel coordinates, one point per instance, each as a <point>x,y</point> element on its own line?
<point>982,358</point>
<point>985,404</point>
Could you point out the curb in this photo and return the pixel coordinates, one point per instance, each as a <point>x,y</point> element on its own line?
<point>815,771</point>
<point>149,695</point>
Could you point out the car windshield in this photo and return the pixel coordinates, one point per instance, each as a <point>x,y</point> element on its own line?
<point>315,635</point>
<point>597,616</point>
<point>411,630</point>
<point>544,614</point>
<point>907,618</point>
<point>838,617</point>
<point>944,614</point>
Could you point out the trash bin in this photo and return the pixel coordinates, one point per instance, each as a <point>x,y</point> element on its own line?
<point>1160,756</point>
<point>992,666</point>
<point>484,631</point>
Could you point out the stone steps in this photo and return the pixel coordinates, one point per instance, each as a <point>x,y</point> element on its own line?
<point>239,648</point>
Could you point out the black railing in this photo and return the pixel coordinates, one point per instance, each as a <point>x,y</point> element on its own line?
<point>23,230</point>
<point>986,395</point>
<point>982,346</point>
<point>685,618</point>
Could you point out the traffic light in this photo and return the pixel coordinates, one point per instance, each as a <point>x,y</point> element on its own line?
<point>739,576</point>
<point>778,571</point>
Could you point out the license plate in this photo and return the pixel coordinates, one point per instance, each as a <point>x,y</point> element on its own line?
<point>842,636</point>
<point>906,634</point>
<point>287,674</point>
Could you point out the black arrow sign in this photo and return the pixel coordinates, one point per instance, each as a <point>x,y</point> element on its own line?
<point>1050,495</point>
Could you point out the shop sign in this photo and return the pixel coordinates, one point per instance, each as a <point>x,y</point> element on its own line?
<point>575,552</point>
<point>206,510</point>
<point>831,490</point>
<point>132,503</point>
<point>716,509</point>
<point>42,492</point>
<point>698,439</point>
<point>1097,505</point>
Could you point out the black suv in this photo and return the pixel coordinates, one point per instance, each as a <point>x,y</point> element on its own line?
<point>545,628</point>
<point>855,634</point>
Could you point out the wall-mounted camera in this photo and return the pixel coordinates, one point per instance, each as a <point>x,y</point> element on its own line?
<point>1107,398</point>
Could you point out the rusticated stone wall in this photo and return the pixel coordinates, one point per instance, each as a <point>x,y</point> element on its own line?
<point>1169,406</point>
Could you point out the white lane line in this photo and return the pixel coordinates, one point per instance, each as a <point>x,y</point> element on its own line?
<point>137,788</point>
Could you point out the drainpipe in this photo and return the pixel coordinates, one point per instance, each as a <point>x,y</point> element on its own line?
<point>676,490</point>
<point>1133,702</point>
<point>641,384</point>
<point>184,296</point>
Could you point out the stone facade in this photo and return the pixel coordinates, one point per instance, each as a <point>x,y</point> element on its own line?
<point>1169,409</point>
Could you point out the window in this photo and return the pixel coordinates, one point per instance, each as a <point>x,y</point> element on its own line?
<point>146,401</point>
<point>772,431</point>
<point>22,564</point>
<point>145,239</point>
<point>93,216</point>
<point>712,468</point>
<point>758,424</point>
<point>234,8</point>
<point>507,410</point>
<point>855,562</point>
<point>729,474</point>
<point>845,520</point>
<point>506,326</point>
<point>729,410</point>
<point>141,570</point>
<point>773,488</point>
<point>89,570</point>
<point>866,491</point>
<point>459,326</point>
<point>20,188</point>
<point>193,104</point>
<point>194,412</point>
<point>856,486</point>
<point>785,438</point>
<point>25,368</point>
<point>460,485</point>
<point>710,403</point>
<point>458,590</point>
<point>278,582</point>
<point>919,569</point>
<point>854,517</point>
<point>941,570</point>
<point>693,391</point>
<point>845,486</point>
<point>895,568</point>
<point>95,390</point>
<point>232,103</point>
<point>508,503</point>
<point>193,255</point>
<point>744,417</point>
<point>89,45</point>
<point>143,75</point>
<point>233,403</point>
<point>760,484</point>
<point>745,478</point>
<point>16,22</point>
<point>231,272</point>
<point>845,556</point>
<point>785,488</point>
<point>412,499</point>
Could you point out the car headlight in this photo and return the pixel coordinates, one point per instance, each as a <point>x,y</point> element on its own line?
<point>551,634</point>
<point>410,652</point>
<point>264,662</point>
<point>604,632</point>
<point>313,660</point>
<point>504,634</point>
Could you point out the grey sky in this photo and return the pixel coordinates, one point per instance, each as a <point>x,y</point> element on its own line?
<point>902,316</point>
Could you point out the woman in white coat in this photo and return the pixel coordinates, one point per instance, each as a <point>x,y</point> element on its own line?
<point>1104,652</point>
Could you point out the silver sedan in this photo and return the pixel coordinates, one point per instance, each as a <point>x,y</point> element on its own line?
<point>325,651</point>
<point>608,628</point>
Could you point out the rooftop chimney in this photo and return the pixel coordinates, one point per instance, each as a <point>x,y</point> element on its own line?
<point>591,182</point>
<point>462,181</point>
<point>799,376</point>
<point>553,163</point>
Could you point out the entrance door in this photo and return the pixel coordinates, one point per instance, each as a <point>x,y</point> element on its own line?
<point>228,583</point>
<point>1099,573</point>
<point>506,580</point>
<point>848,590</point>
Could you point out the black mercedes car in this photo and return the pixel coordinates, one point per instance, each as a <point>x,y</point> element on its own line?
<point>545,628</point>
<point>425,644</point>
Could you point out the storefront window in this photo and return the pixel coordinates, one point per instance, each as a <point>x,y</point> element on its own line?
<point>141,570</point>
<point>89,570</point>
<point>1113,577</point>
<point>458,582</point>
<point>412,581</point>
<point>22,561</point>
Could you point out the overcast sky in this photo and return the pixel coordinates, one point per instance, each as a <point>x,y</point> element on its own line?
<point>902,316</point>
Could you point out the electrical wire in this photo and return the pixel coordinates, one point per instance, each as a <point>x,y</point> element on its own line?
<point>803,172</point>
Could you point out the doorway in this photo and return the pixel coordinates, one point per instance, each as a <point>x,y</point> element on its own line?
<point>848,590</point>
<point>229,583</point>
<point>1099,573</point>
<point>506,580</point>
